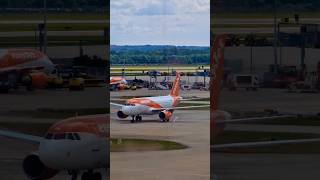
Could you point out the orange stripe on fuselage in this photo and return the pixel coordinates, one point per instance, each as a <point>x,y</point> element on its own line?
<point>94,124</point>
<point>144,101</point>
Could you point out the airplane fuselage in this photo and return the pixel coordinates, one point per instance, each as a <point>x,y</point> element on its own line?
<point>149,105</point>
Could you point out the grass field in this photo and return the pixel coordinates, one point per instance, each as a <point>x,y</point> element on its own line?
<point>138,145</point>
<point>266,14</point>
<point>54,27</point>
<point>57,113</point>
<point>131,69</point>
<point>300,121</point>
<point>255,136</point>
<point>54,16</point>
<point>52,41</point>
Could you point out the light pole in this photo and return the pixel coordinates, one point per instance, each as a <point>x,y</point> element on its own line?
<point>275,41</point>
<point>45,26</point>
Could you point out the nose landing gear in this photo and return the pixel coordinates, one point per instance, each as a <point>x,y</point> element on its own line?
<point>91,176</point>
<point>137,118</point>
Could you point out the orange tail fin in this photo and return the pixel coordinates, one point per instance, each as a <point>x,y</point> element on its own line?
<point>217,63</point>
<point>175,91</point>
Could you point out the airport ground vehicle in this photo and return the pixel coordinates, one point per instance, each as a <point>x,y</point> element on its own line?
<point>77,144</point>
<point>161,105</point>
<point>246,81</point>
<point>76,83</point>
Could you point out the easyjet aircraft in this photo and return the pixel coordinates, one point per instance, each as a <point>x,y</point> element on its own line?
<point>162,105</point>
<point>77,144</point>
<point>28,67</point>
<point>118,83</point>
<point>219,118</point>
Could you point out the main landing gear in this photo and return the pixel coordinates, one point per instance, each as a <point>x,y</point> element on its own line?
<point>137,118</point>
<point>89,175</point>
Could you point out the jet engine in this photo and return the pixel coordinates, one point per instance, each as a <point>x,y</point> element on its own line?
<point>165,115</point>
<point>39,79</point>
<point>36,80</point>
<point>35,169</point>
<point>121,115</point>
<point>122,86</point>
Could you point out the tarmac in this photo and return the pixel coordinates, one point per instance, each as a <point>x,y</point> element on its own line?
<point>190,128</point>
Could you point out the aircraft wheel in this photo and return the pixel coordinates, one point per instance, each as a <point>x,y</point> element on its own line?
<point>96,176</point>
<point>133,119</point>
<point>138,118</point>
<point>86,176</point>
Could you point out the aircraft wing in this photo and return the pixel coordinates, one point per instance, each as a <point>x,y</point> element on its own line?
<point>116,104</point>
<point>29,68</point>
<point>193,98</point>
<point>21,136</point>
<point>256,118</point>
<point>178,108</point>
<point>263,143</point>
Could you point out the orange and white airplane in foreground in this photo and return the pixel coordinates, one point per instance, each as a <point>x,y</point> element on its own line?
<point>161,105</point>
<point>77,144</point>
<point>27,67</point>
<point>118,83</point>
<point>218,118</point>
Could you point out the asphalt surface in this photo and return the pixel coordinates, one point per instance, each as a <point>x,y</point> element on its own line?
<point>190,128</point>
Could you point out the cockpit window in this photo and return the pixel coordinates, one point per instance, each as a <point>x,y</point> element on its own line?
<point>129,104</point>
<point>70,136</point>
<point>49,136</point>
<point>76,135</point>
<point>59,136</point>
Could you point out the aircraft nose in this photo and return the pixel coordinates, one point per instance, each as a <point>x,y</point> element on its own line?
<point>52,153</point>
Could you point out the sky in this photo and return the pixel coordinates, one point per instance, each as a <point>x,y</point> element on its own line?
<point>160,22</point>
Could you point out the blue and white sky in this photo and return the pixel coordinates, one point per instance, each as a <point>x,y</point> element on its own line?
<point>160,22</point>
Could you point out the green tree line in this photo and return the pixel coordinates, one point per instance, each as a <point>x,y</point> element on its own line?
<point>171,55</point>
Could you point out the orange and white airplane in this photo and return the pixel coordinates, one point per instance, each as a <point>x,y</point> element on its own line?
<point>77,144</point>
<point>28,67</point>
<point>161,105</point>
<point>118,83</point>
<point>219,119</point>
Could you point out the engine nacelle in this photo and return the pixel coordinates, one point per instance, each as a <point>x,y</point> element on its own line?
<point>121,115</point>
<point>35,169</point>
<point>122,86</point>
<point>36,80</point>
<point>39,79</point>
<point>165,115</point>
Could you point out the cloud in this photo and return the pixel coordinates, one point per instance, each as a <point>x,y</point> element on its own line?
<point>160,21</point>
